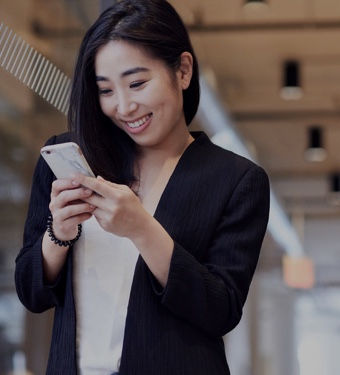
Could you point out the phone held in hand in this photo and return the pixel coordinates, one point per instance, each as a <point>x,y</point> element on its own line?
<point>65,160</point>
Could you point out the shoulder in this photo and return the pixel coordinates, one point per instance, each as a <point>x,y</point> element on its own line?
<point>210,156</point>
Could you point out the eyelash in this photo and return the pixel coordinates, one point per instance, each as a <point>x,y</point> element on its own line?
<point>104,91</point>
<point>135,85</point>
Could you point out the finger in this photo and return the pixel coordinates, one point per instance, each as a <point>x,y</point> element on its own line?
<point>98,185</point>
<point>63,184</point>
<point>112,184</point>
<point>69,197</point>
<point>68,217</point>
<point>75,210</point>
<point>66,228</point>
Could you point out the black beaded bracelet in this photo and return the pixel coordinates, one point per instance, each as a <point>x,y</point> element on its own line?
<point>59,242</point>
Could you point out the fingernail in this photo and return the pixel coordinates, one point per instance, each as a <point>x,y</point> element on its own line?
<point>75,183</point>
<point>88,191</point>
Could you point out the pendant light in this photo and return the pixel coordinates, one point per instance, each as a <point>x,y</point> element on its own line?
<point>315,151</point>
<point>333,196</point>
<point>255,2</point>
<point>291,85</point>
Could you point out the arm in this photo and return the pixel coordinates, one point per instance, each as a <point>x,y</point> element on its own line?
<point>119,211</point>
<point>29,275</point>
<point>211,295</point>
<point>39,273</point>
<point>208,294</point>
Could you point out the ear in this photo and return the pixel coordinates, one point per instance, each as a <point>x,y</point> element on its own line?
<point>185,70</point>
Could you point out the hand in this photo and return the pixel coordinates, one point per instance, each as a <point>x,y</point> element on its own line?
<point>68,208</point>
<point>118,209</point>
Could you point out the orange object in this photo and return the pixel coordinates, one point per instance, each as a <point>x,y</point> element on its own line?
<point>298,272</point>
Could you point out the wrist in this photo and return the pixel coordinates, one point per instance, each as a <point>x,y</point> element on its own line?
<point>57,241</point>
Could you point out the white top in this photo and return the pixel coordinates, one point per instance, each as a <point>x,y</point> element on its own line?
<point>104,265</point>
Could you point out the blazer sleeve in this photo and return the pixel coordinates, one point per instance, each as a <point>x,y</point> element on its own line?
<point>32,291</point>
<point>211,295</point>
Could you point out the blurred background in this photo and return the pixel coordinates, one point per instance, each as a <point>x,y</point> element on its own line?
<point>270,74</point>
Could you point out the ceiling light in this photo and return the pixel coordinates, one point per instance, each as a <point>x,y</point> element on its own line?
<point>291,87</point>
<point>255,2</point>
<point>335,179</point>
<point>333,196</point>
<point>315,151</point>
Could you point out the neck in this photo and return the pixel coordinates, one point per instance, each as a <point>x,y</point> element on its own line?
<point>172,149</point>
<point>154,168</point>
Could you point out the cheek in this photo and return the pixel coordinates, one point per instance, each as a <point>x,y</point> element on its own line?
<point>169,94</point>
<point>105,107</point>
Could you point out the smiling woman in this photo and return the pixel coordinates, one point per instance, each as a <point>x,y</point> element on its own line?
<point>141,97</point>
<point>171,227</point>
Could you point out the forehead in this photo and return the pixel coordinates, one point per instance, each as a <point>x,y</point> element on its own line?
<point>117,55</point>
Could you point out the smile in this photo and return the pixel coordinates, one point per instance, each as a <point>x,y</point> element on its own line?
<point>138,123</point>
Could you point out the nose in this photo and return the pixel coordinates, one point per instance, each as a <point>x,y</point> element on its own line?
<point>125,105</point>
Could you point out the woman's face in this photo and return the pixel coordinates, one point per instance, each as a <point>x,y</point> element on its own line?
<point>139,94</point>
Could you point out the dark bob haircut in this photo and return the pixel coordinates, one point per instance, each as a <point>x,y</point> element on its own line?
<point>152,25</point>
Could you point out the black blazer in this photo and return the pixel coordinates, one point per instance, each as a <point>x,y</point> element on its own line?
<point>215,207</point>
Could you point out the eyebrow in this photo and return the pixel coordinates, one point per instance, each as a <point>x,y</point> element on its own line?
<point>128,72</point>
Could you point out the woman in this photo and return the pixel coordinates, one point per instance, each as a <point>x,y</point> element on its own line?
<point>172,225</point>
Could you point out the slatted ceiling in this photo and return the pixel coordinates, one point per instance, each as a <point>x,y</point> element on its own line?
<point>33,69</point>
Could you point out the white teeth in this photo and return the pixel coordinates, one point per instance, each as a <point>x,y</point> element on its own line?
<point>138,123</point>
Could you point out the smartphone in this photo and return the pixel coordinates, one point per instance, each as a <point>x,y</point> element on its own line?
<point>66,159</point>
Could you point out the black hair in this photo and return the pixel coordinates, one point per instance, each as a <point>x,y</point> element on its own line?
<point>152,25</point>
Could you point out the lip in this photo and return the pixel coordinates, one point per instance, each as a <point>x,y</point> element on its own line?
<point>140,128</point>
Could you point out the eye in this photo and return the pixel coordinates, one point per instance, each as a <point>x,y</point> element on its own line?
<point>104,92</point>
<point>135,85</point>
